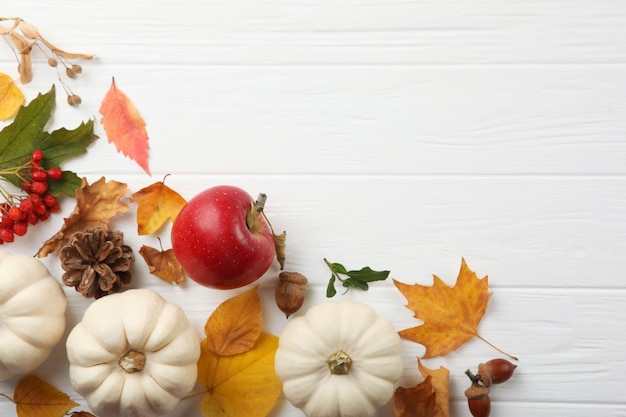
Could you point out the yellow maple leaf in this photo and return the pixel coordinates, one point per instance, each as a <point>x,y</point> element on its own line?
<point>11,97</point>
<point>155,204</point>
<point>34,397</point>
<point>235,325</point>
<point>451,314</point>
<point>240,385</point>
<point>96,204</point>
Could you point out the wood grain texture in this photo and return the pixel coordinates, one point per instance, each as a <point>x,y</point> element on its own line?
<point>400,134</point>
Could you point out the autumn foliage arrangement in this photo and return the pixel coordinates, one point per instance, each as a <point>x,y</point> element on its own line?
<point>237,374</point>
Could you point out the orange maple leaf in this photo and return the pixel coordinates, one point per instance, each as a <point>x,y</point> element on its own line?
<point>155,204</point>
<point>34,397</point>
<point>451,314</point>
<point>163,264</point>
<point>124,126</point>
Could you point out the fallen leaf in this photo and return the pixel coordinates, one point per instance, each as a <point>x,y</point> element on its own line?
<point>440,380</point>
<point>451,314</point>
<point>156,204</point>
<point>124,126</point>
<point>417,401</point>
<point>34,397</point>
<point>163,264</point>
<point>235,325</point>
<point>280,243</point>
<point>26,133</point>
<point>11,97</point>
<point>96,204</point>
<point>240,385</point>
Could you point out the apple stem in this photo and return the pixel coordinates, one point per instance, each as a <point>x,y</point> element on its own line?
<point>259,204</point>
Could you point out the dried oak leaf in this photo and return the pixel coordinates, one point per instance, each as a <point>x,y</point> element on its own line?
<point>124,126</point>
<point>96,204</point>
<point>34,397</point>
<point>235,325</point>
<point>451,314</point>
<point>11,97</point>
<point>155,204</point>
<point>163,264</point>
<point>417,401</point>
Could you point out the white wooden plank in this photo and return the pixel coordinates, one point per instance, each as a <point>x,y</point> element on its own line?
<point>339,32</point>
<point>360,120</point>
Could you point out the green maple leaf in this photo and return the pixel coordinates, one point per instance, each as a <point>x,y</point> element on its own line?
<point>27,133</point>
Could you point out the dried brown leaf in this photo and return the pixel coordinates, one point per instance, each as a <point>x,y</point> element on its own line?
<point>163,264</point>
<point>96,204</point>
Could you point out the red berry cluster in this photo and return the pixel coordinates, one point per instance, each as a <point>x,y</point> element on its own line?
<point>16,214</point>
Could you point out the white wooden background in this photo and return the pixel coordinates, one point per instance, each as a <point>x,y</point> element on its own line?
<point>400,134</point>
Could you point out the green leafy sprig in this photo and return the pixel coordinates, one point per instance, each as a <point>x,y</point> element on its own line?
<point>27,133</point>
<point>359,279</point>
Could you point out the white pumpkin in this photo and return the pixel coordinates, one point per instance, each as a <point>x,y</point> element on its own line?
<point>32,314</point>
<point>133,354</point>
<point>339,360</point>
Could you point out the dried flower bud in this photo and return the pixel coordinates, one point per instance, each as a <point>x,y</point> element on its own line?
<point>77,68</point>
<point>70,72</point>
<point>74,100</point>
<point>52,61</point>
<point>290,292</point>
<point>29,30</point>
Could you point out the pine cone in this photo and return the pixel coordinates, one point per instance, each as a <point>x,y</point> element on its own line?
<point>96,262</point>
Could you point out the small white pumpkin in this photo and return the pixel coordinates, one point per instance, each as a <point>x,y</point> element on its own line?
<point>339,360</point>
<point>32,314</point>
<point>133,354</point>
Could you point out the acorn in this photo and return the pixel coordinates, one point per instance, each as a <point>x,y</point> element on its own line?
<point>478,400</point>
<point>495,371</point>
<point>290,292</point>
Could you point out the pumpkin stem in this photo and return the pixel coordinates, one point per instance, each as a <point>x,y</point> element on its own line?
<point>132,361</point>
<point>339,363</point>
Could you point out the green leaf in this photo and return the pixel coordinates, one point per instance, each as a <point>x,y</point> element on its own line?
<point>16,139</point>
<point>19,139</point>
<point>355,283</point>
<point>352,279</point>
<point>366,274</point>
<point>330,289</point>
<point>338,268</point>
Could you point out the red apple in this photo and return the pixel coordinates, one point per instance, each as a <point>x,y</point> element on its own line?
<point>221,240</point>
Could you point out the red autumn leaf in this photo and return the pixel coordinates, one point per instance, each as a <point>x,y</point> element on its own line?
<point>124,126</point>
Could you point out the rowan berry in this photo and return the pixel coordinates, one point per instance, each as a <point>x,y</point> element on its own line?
<point>7,235</point>
<point>39,175</point>
<point>37,155</point>
<point>20,228</point>
<point>15,213</point>
<point>49,200</point>
<point>40,187</point>
<point>55,173</point>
